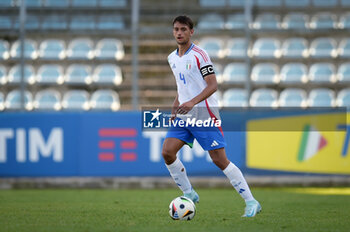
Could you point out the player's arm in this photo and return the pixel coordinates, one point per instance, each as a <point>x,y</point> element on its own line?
<point>174,108</point>
<point>211,88</point>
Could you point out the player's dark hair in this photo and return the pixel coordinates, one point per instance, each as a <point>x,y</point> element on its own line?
<point>183,19</point>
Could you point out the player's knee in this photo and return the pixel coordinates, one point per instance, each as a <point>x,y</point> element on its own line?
<point>168,155</point>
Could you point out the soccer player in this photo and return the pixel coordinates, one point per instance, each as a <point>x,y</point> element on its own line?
<point>196,83</point>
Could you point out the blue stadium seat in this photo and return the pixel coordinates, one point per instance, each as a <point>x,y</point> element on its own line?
<point>5,22</point>
<point>344,48</point>
<point>47,99</point>
<point>344,21</point>
<point>2,101</point>
<point>292,97</point>
<point>235,22</point>
<point>321,97</point>
<point>55,22</point>
<point>295,21</point>
<point>237,48</point>
<point>295,48</point>
<point>325,3</point>
<point>53,49</point>
<point>211,22</point>
<point>264,98</point>
<point>267,21</point>
<point>55,3</point>
<point>3,75</point>
<point>343,74</point>
<point>32,3</point>
<point>84,3</point>
<point>322,73</point>
<point>78,74</point>
<point>107,74</point>
<point>268,3</point>
<point>50,74</point>
<point>81,48</point>
<point>109,49</point>
<point>343,98</point>
<point>30,49</point>
<point>235,73</point>
<point>110,22</point>
<point>14,75</point>
<point>324,21</point>
<point>265,73</point>
<point>113,3</point>
<point>4,50</point>
<point>294,73</point>
<point>213,46</point>
<point>76,100</point>
<point>297,4</point>
<point>345,3</point>
<point>6,3</point>
<point>105,99</point>
<point>32,22</point>
<point>236,3</point>
<point>210,3</point>
<point>266,48</point>
<point>323,48</point>
<point>13,100</point>
<point>235,98</point>
<point>82,22</point>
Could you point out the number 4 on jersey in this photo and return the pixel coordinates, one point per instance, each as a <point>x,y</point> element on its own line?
<point>182,77</point>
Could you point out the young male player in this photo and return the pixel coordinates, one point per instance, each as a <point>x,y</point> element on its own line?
<point>196,83</point>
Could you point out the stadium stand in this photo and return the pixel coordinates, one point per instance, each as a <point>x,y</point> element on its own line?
<point>343,98</point>
<point>104,99</point>
<point>343,74</point>
<point>323,48</point>
<point>322,73</point>
<point>293,97</point>
<point>265,73</point>
<point>295,48</point>
<point>4,50</point>
<point>321,97</point>
<point>236,48</point>
<point>235,98</point>
<point>47,99</point>
<point>107,74</point>
<point>295,21</point>
<point>52,49</point>
<point>213,46</point>
<point>30,49</point>
<point>211,22</point>
<point>76,100</point>
<point>235,73</point>
<point>13,100</point>
<point>2,102</point>
<point>264,97</point>
<point>294,73</point>
<point>266,48</point>
<point>14,75</point>
<point>3,75</point>
<point>50,74</point>
<point>78,74</point>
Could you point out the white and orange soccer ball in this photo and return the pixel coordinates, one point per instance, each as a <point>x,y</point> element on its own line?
<point>182,208</point>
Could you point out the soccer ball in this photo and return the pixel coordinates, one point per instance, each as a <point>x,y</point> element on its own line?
<point>182,208</point>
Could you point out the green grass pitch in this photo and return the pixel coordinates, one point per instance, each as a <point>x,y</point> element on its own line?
<point>219,210</point>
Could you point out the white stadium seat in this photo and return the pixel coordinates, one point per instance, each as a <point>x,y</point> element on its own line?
<point>76,100</point>
<point>264,98</point>
<point>105,99</point>
<point>47,99</point>
<point>293,97</point>
<point>13,100</point>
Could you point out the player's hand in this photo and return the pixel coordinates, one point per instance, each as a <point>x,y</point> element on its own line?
<point>185,107</point>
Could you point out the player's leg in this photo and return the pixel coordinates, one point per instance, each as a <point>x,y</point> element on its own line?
<point>176,168</point>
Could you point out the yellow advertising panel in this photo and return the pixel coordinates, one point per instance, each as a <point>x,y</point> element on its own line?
<point>308,143</point>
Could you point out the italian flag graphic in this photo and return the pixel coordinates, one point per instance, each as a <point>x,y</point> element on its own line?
<point>311,142</point>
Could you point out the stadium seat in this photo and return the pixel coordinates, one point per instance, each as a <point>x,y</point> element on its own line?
<point>321,97</point>
<point>323,21</point>
<point>5,22</point>
<point>267,21</point>
<point>107,74</point>
<point>323,48</point>
<point>345,3</point>
<point>297,4</point>
<point>237,48</point>
<point>236,3</point>
<point>32,22</point>
<point>84,3</point>
<point>78,74</point>
<point>6,3</point>
<point>343,74</point>
<point>113,3</point>
<point>268,3</point>
<point>235,22</point>
<point>293,97</point>
<point>50,74</point>
<point>344,48</point>
<point>55,3</point>
<point>264,98</point>
<point>81,48</point>
<point>30,49</point>
<point>265,73</point>
<point>213,46</point>
<point>343,98</point>
<point>295,48</point>
<point>52,49</point>
<point>266,48</point>
<point>105,99</point>
<point>344,21</point>
<point>13,100</point>
<point>294,73</point>
<point>32,3</point>
<point>4,50</point>
<point>76,100</point>
<point>235,73</point>
<point>55,22</point>
<point>110,22</point>
<point>235,98</point>
<point>14,75</point>
<point>295,21</point>
<point>211,22</point>
<point>210,3</point>
<point>322,73</point>
<point>47,99</point>
<point>2,101</point>
<point>82,22</point>
<point>3,75</point>
<point>325,3</point>
<point>109,49</point>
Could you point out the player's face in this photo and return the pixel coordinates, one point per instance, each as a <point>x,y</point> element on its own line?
<point>182,33</point>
